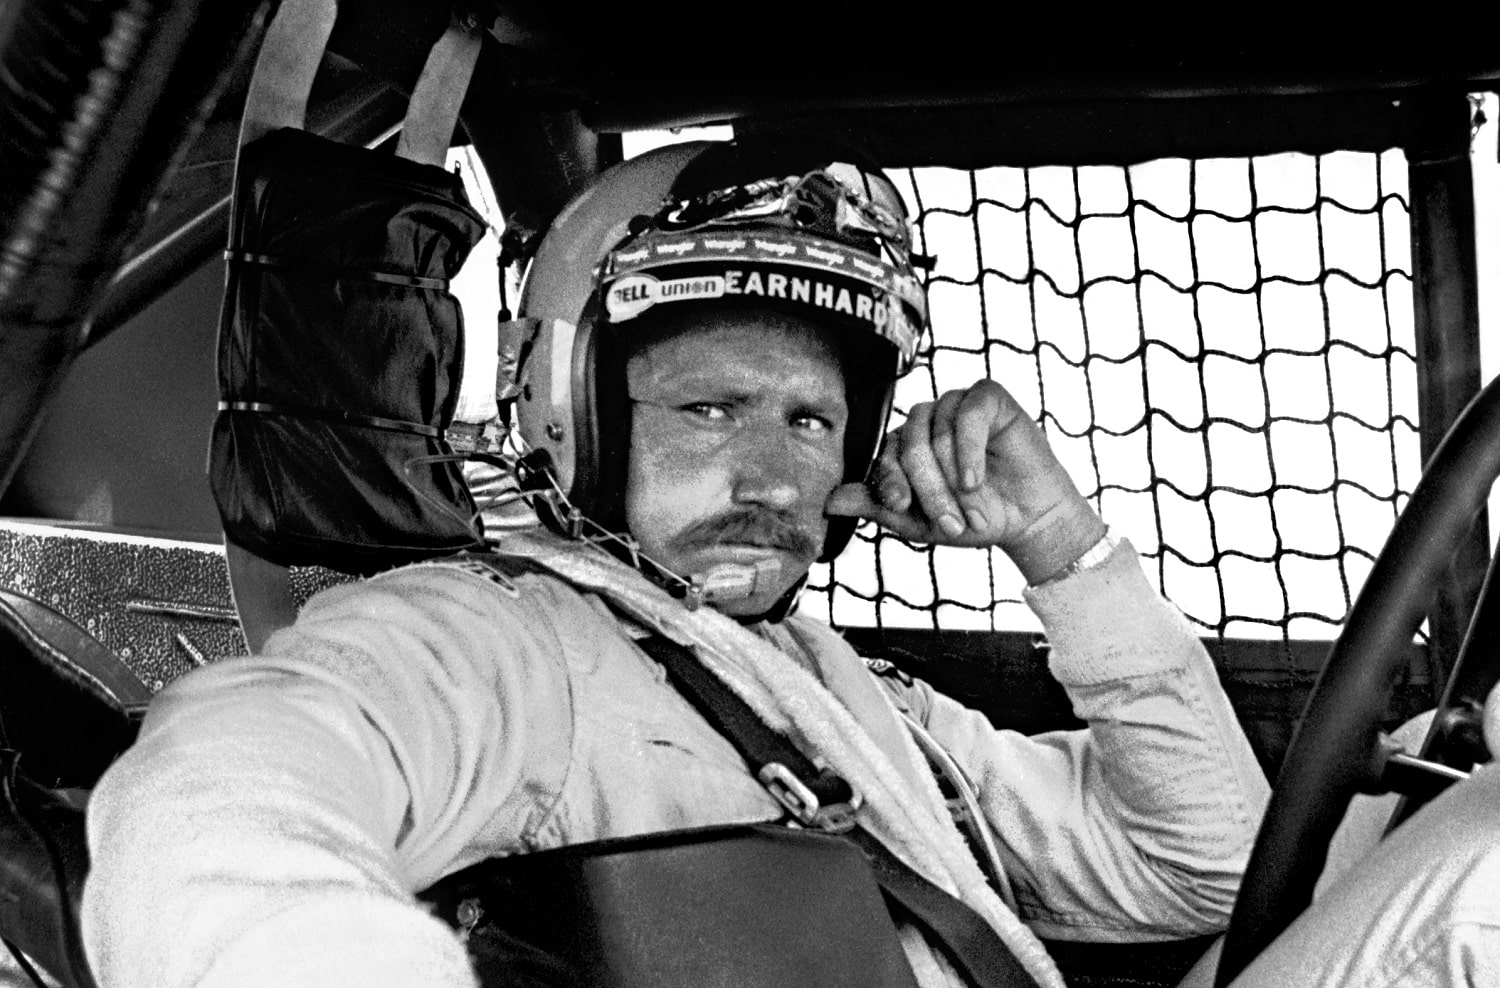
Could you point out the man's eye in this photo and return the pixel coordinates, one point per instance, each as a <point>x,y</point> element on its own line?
<point>707,411</point>
<point>813,423</point>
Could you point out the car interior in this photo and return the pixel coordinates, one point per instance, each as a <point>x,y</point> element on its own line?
<point>1237,282</point>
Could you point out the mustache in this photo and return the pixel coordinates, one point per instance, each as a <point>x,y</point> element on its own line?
<point>755,526</point>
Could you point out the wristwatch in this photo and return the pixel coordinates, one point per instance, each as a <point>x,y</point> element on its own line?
<point>1092,558</point>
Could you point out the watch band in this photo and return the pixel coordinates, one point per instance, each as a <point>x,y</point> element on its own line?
<point>1092,558</point>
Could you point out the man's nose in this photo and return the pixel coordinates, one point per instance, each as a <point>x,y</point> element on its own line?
<point>766,470</point>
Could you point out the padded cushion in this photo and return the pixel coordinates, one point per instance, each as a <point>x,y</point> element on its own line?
<point>42,873</point>
<point>340,355</point>
<point>67,704</point>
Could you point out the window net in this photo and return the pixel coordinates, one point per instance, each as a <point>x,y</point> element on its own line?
<point>1222,354</point>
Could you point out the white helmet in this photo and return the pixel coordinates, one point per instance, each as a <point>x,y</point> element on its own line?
<point>794,223</point>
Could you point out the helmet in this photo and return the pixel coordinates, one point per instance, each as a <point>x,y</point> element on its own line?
<point>789,223</point>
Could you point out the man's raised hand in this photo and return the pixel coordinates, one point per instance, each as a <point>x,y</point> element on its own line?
<point>973,469</point>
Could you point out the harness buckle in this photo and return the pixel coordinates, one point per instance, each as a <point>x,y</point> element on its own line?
<point>792,793</point>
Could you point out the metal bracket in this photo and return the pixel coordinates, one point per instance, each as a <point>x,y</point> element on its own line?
<point>792,793</point>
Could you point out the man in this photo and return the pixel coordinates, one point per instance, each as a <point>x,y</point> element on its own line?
<point>712,341</point>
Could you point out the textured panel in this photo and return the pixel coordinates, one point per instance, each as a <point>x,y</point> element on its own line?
<point>162,605</point>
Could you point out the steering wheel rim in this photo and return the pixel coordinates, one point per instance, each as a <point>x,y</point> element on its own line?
<point>1335,752</point>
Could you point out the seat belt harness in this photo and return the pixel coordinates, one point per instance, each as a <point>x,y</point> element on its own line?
<point>969,941</point>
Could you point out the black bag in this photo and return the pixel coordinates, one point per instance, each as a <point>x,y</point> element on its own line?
<point>340,355</point>
<point>754,906</point>
<point>340,347</point>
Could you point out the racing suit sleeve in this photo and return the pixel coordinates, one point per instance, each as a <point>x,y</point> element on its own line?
<point>271,823</point>
<point>1139,826</point>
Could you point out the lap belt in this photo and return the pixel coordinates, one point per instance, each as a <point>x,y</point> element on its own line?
<point>752,906</point>
<point>970,942</point>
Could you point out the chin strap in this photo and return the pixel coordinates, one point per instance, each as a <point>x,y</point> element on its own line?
<point>784,605</point>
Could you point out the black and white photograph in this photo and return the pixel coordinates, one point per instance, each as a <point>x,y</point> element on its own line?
<point>526,494</point>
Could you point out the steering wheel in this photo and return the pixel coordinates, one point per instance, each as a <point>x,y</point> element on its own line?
<point>1336,751</point>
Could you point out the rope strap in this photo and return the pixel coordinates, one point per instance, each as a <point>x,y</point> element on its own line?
<point>316,269</point>
<point>342,418</point>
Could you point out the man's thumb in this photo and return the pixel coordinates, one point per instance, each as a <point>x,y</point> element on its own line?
<point>851,500</point>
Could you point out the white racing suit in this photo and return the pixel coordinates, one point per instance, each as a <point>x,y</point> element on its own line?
<point>277,814</point>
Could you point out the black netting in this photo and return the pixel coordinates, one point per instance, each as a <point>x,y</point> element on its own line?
<point>1221,352</point>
